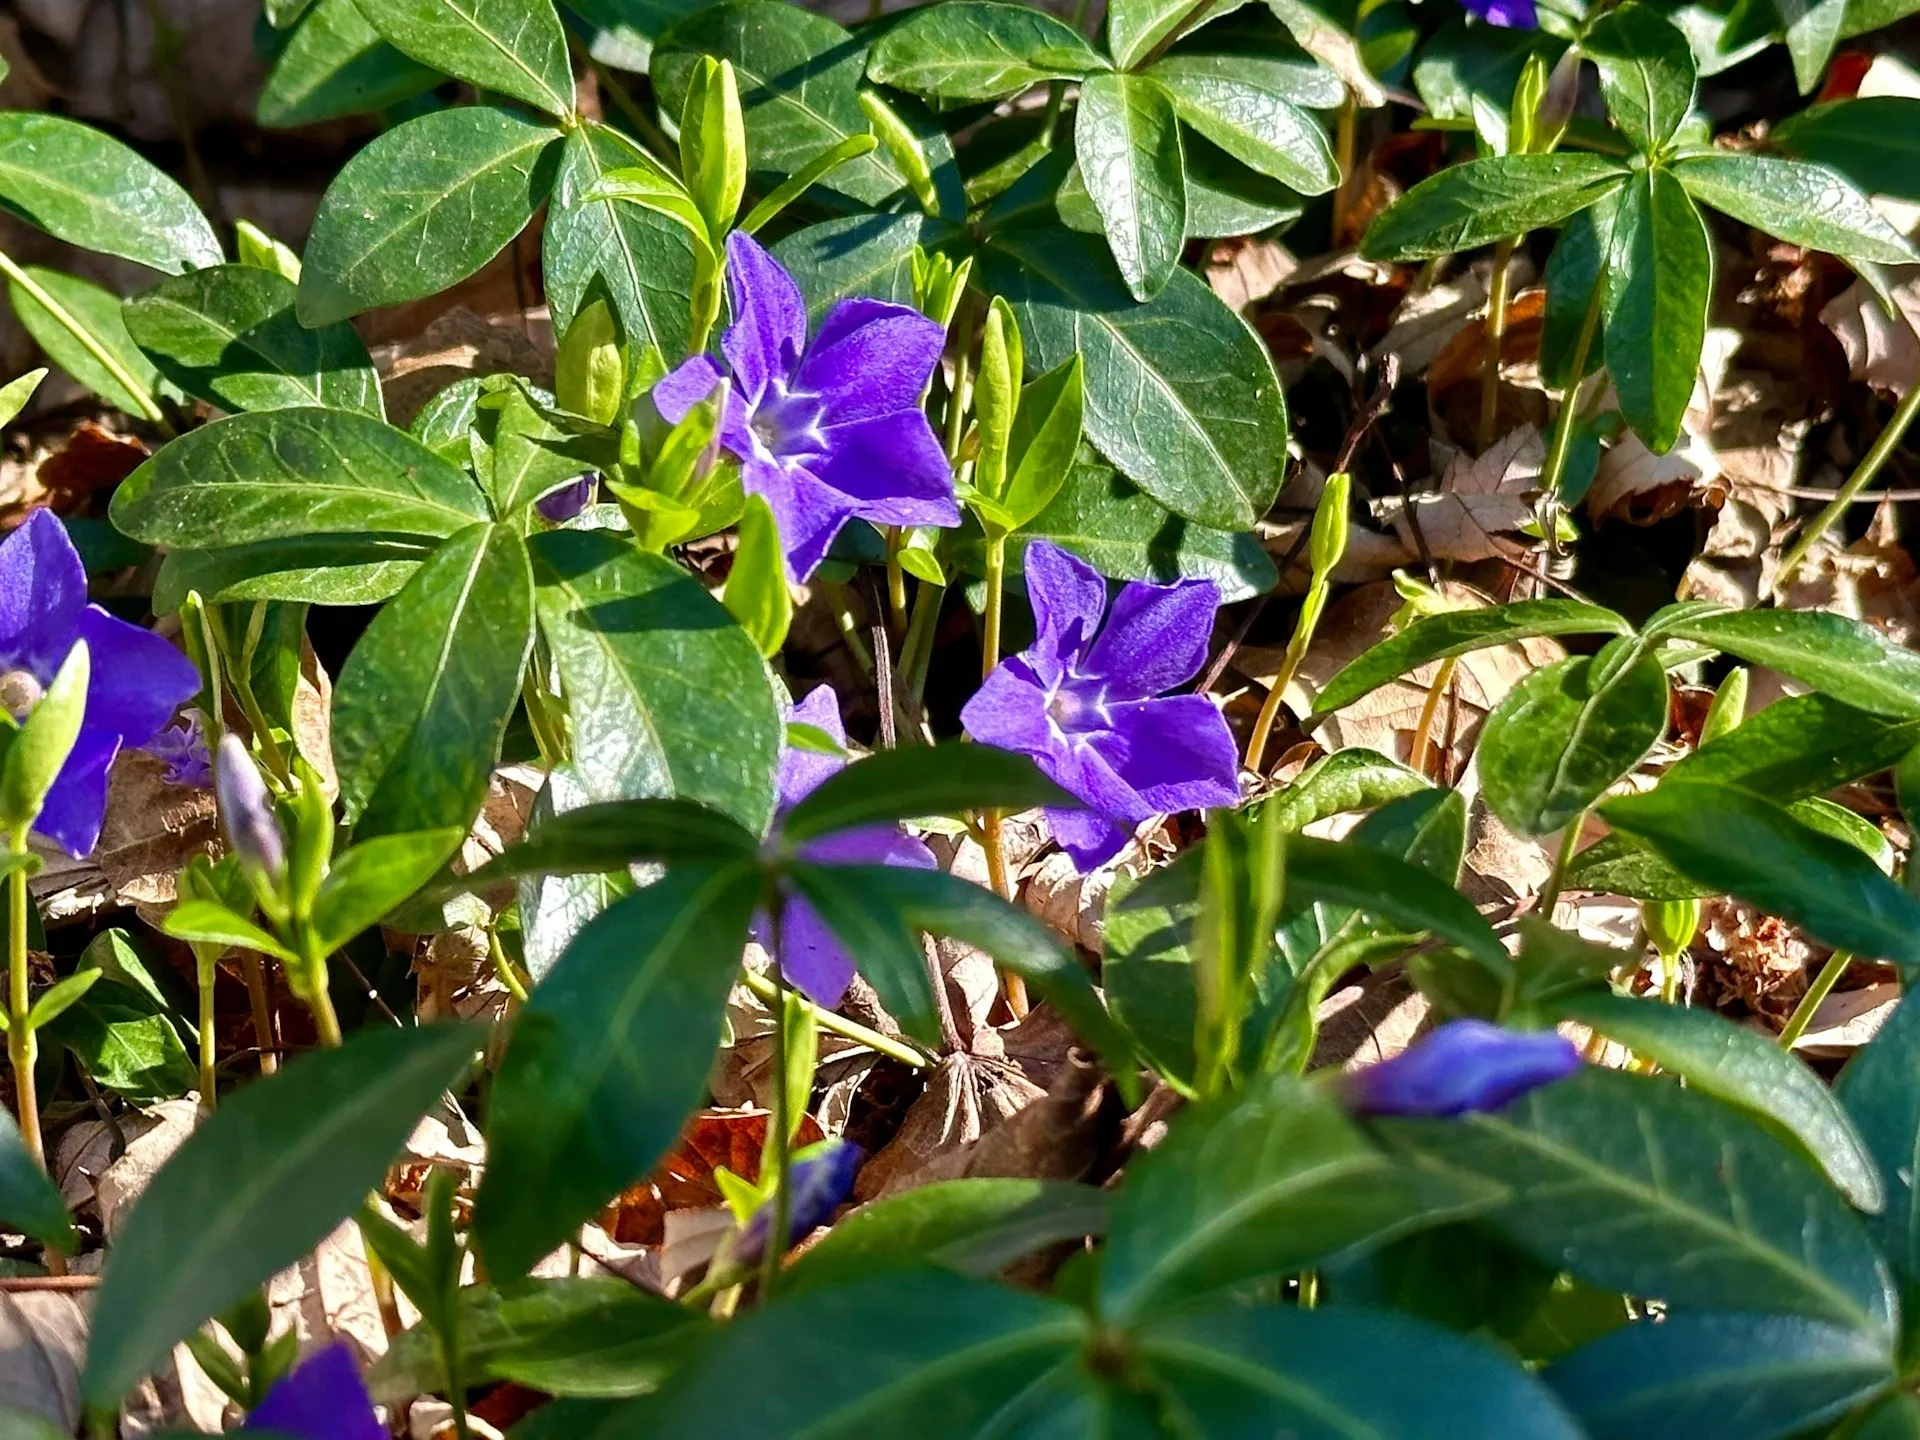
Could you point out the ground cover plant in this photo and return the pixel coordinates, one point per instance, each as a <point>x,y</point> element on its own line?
<point>1175,720</point>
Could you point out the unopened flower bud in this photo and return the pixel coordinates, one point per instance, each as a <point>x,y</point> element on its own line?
<point>20,691</point>
<point>246,810</point>
<point>568,501</point>
<point>1465,1065</point>
<point>1328,540</point>
<point>820,1179</point>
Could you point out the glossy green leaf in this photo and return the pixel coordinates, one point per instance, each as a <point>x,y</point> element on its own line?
<point>980,50</point>
<point>374,878</point>
<point>228,336</point>
<point>1813,30</point>
<point>1457,632</point>
<point>1800,745</point>
<point>257,1186</point>
<point>1659,285</point>
<point>884,943</point>
<point>859,255</point>
<point>424,206</point>
<point>322,570</point>
<point>1742,1067</point>
<point>38,747</point>
<point>1573,271</point>
<point>1794,201</point>
<point>609,1058</point>
<point>1897,1418</point>
<point>1720,1377</point>
<point>289,474</point>
<point>643,260</point>
<point>1467,70</point>
<point>1635,1184</point>
<point>1874,141</point>
<point>1487,200</point>
<point>15,394</point>
<point>208,922</point>
<point>917,780</point>
<point>336,64</point>
<point>613,834</point>
<point>128,1044</point>
<point>1845,658</point>
<point>1225,198</point>
<point>1555,744</point>
<point>29,1201</point>
<point>1252,122</point>
<point>1881,1092</point>
<point>96,311</point>
<point>1127,139</point>
<point>757,594</point>
<point>424,698</point>
<point>1135,28</point>
<point>522,455</point>
<point>88,189</point>
<point>1180,394</point>
<point>1359,876</point>
<point>1646,72</point>
<point>1264,1184</point>
<point>513,46</point>
<point>653,668</point>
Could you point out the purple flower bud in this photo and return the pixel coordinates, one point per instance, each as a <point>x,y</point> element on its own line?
<point>1463,1066</point>
<point>569,500</point>
<point>819,1181</point>
<point>182,748</point>
<point>246,810</point>
<point>1508,14</point>
<point>323,1399</point>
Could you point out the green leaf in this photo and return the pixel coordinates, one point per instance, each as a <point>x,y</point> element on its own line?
<point>96,311</point>
<point>1136,27</point>
<point>1364,878</point>
<point>1468,71</point>
<point>89,190</point>
<point>1635,1184</point>
<point>1180,394</point>
<point>1797,202</point>
<point>1045,440</point>
<point>1813,30</point>
<point>1845,658</point>
<point>320,569</point>
<point>1874,141</point>
<point>127,1042</point>
<point>1225,198</point>
<point>1572,272</point>
<point>918,780</point>
<point>1739,844</point>
<point>37,751</point>
<point>1720,1377</point>
<point>373,878</point>
<point>1881,1092</point>
<point>1659,285</point>
<point>1488,200</point>
<point>642,260</point>
<point>976,1227</point>
<point>211,923</point>
<point>1277,1370</point>
<point>1743,1068</point>
<point>883,942</point>
<point>424,206</point>
<point>227,335</point>
<point>1127,139</point>
<point>609,1058</point>
<point>653,669</point>
<point>526,454</point>
<point>979,50</point>
<point>15,394</point>
<point>29,1201</point>
<point>1254,123</point>
<point>756,593</point>
<point>1457,632</point>
<point>1646,73</point>
<point>1800,745</point>
<point>1351,779</point>
<point>1264,1184</point>
<point>336,64</point>
<point>799,76</point>
<point>616,833</point>
<point>859,255</point>
<point>424,698</point>
<point>513,46</point>
<point>61,996</point>
<point>1898,1418</point>
<point>256,1187</point>
<point>578,1335</point>
<point>289,474</point>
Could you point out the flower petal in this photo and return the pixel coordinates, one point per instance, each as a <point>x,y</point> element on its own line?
<point>1066,594</point>
<point>802,771</point>
<point>1155,638</point>
<point>1010,710</point>
<point>43,590</point>
<point>1089,839</point>
<point>323,1399</point>
<point>1177,753</point>
<point>870,358</point>
<point>1462,1066</point>
<point>677,392</point>
<point>870,845</point>
<point>807,513</point>
<point>892,469</point>
<point>77,802</point>
<point>1509,14</point>
<point>138,679</point>
<point>813,960</point>
<point>769,328</point>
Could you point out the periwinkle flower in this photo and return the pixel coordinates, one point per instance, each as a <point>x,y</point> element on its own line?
<point>1508,14</point>
<point>182,748</point>
<point>323,1399</point>
<point>819,1181</point>
<point>809,954</point>
<point>246,812</point>
<point>829,431</point>
<point>560,506</point>
<point>138,679</point>
<point>1087,702</point>
<point>1464,1066</point>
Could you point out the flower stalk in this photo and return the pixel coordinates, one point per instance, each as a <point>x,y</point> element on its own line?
<point>1327,544</point>
<point>1863,475</point>
<point>1563,424</point>
<point>22,1046</point>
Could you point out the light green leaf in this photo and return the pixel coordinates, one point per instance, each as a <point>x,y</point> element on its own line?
<point>1486,200</point>
<point>980,50</point>
<point>1849,660</point>
<point>1646,72</point>
<point>96,311</point>
<point>514,46</point>
<point>1254,124</point>
<point>1128,143</point>
<point>1794,201</point>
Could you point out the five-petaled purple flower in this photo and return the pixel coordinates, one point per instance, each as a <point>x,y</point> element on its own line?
<point>1465,1065</point>
<point>821,1178</point>
<point>810,956</point>
<point>1508,14</point>
<point>826,432</point>
<point>323,1399</point>
<point>1081,701</point>
<point>138,679</point>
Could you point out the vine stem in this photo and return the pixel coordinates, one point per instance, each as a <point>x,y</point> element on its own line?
<point>1563,423</point>
<point>253,971</point>
<point>844,1026</point>
<point>779,1150</point>
<point>1423,731</point>
<point>1822,987</point>
<point>1557,877</point>
<point>503,967</point>
<point>1296,652</point>
<point>1869,467</point>
<point>21,1045</point>
<point>149,409</point>
<point>990,820</point>
<point>205,969</point>
<point>1497,287</point>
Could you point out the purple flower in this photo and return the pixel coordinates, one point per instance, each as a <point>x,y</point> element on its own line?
<point>1508,14</point>
<point>810,956</point>
<point>821,1178</point>
<point>1464,1065</point>
<point>560,506</point>
<point>182,748</point>
<point>323,1399</point>
<point>1081,702</point>
<point>826,432</point>
<point>139,680</point>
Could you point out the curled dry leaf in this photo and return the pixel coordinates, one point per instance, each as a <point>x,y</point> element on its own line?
<point>1882,349</point>
<point>43,1344</point>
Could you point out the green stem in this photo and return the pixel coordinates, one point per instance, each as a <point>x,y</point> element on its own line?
<point>149,409</point>
<point>1822,987</point>
<point>205,970</point>
<point>1563,423</point>
<point>779,1150</point>
<point>849,630</point>
<point>1496,339</point>
<point>1310,609</point>
<point>326,1020</point>
<point>22,1047</point>
<point>1557,877</point>
<point>503,967</point>
<point>1869,467</point>
<point>841,1025</point>
<point>996,584</point>
<point>916,651</point>
<point>896,581</point>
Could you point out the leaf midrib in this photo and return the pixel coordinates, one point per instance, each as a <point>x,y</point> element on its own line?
<point>1260,1377</point>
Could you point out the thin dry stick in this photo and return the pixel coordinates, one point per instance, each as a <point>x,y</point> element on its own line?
<point>266,1034</point>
